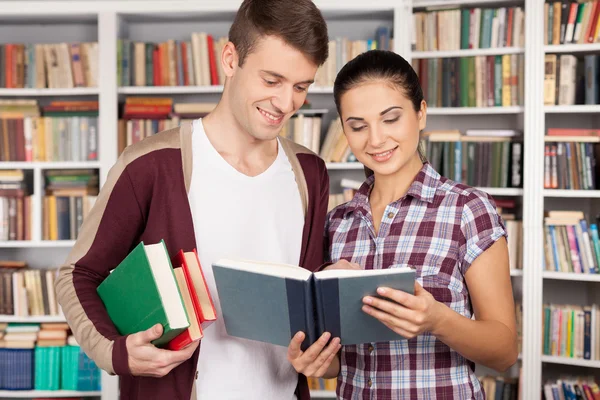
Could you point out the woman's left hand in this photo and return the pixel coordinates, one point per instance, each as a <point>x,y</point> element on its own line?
<point>407,315</point>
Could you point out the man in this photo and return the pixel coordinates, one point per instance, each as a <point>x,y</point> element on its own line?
<point>229,187</point>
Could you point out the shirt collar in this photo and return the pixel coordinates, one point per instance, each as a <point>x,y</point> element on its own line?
<point>422,188</point>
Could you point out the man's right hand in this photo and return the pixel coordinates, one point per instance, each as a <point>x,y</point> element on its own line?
<point>147,360</point>
<point>343,264</point>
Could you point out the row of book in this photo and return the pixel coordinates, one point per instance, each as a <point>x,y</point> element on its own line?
<point>483,158</point>
<point>499,387</point>
<point>52,65</point>
<point>571,165</point>
<point>67,131</point>
<point>15,206</point>
<point>571,331</point>
<point>27,292</point>
<point>68,197</point>
<point>568,22</point>
<point>342,50</point>
<point>322,384</point>
<point>584,388</point>
<point>196,62</point>
<point>44,357</point>
<point>481,81</point>
<point>570,243</point>
<point>469,28</point>
<point>570,80</point>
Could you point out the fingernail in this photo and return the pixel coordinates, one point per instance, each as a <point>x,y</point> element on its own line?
<point>368,300</point>
<point>366,309</point>
<point>381,290</point>
<point>299,335</point>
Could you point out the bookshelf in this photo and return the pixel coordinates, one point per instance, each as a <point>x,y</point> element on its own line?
<point>107,21</point>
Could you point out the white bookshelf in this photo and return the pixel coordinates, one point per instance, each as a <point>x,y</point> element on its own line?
<point>32,320</point>
<point>498,51</point>
<point>322,394</point>
<point>578,362</point>
<point>572,48</point>
<point>475,110</point>
<point>566,276</point>
<point>105,21</point>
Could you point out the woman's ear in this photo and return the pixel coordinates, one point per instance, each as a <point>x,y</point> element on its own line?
<point>422,115</point>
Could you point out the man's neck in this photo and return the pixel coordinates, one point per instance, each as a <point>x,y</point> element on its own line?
<point>245,153</point>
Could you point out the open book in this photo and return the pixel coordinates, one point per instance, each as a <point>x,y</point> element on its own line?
<point>271,302</point>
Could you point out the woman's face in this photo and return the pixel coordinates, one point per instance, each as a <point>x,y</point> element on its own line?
<point>381,125</point>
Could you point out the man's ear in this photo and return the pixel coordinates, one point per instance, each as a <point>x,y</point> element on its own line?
<point>422,115</point>
<point>229,59</point>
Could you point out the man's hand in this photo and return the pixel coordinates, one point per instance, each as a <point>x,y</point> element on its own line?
<point>343,264</point>
<point>147,360</point>
<point>317,359</point>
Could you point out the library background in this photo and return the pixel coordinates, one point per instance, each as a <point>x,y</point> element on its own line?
<point>512,88</point>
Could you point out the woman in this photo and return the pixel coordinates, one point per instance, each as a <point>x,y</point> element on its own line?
<point>406,214</point>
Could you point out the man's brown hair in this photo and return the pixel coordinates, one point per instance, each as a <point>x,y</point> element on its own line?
<point>299,23</point>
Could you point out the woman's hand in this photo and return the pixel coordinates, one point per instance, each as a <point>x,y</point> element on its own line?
<point>407,315</point>
<point>319,360</point>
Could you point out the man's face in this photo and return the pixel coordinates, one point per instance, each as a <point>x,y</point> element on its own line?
<point>270,87</point>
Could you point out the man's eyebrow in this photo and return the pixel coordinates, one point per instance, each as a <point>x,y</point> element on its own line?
<point>276,75</point>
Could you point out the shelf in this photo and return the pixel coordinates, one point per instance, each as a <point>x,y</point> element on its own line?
<point>516,272</point>
<point>502,191</point>
<point>170,90</point>
<point>574,109</point>
<point>32,320</point>
<point>323,394</point>
<point>567,193</point>
<point>50,165</point>
<point>474,110</point>
<point>454,3</point>
<point>467,52</point>
<point>23,244</point>
<point>572,48</point>
<point>24,394</point>
<point>571,361</point>
<point>48,92</point>
<point>571,276</point>
<point>345,166</point>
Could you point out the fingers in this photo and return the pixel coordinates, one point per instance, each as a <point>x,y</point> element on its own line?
<point>294,349</point>
<point>344,264</point>
<point>319,366</point>
<point>400,297</point>
<point>389,307</point>
<point>315,349</point>
<point>392,322</point>
<point>147,336</point>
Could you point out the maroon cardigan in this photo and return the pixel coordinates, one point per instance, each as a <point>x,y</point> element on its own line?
<point>145,198</point>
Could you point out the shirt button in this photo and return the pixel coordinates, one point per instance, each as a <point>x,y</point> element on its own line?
<point>369,382</point>
<point>371,348</point>
<point>390,215</point>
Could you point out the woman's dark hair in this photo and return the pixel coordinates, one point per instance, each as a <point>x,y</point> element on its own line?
<point>384,66</point>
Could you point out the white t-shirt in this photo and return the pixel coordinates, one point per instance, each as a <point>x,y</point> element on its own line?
<point>256,218</point>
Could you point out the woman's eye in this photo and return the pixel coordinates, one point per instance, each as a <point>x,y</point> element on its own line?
<point>270,83</point>
<point>357,128</point>
<point>391,121</point>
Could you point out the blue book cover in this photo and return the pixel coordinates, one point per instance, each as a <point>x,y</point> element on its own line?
<point>271,302</point>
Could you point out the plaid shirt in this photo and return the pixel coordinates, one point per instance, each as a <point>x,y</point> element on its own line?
<point>440,227</point>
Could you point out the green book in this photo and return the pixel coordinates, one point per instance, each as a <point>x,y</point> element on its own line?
<point>142,291</point>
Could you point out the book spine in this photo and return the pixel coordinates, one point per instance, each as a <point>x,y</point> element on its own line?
<point>329,309</point>
<point>298,309</point>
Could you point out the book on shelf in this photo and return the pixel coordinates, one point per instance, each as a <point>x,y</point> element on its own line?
<point>500,387</point>
<point>299,300</point>
<point>468,28</point>
<point>571,22</point>
<point>571,331</point>
<point>569,160</point>
<point>59,131</point>
<point>571,80</point>
<point>15,205</point>
<point>479,81</point>
<point>51,65</point>
<point>349,188</point>
<point>482,158</point>
<point>571,244</point>
<point>508,211</point>
<point>329,385</point>
<point>571,387</point>
<point>145,289</point>
<point>27,292</point>
<point>69,195</point>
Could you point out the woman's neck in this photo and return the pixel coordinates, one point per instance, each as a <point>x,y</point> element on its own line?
<point>389,188</point>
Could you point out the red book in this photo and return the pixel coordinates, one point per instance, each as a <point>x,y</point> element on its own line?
<point>203,305</point>
<point>197,299</point>
<point>214,74</point>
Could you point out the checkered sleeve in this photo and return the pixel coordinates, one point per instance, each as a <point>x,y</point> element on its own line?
<point>481,226</point>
